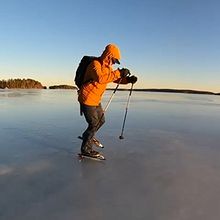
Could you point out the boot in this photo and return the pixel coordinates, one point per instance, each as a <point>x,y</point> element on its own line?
<point>86,148</point>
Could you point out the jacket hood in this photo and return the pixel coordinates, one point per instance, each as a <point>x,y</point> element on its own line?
<point>111,50</point>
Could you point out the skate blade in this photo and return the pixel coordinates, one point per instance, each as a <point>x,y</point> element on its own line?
<point>100,158</point>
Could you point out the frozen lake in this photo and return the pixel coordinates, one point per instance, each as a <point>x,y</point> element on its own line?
<point>166,168</point>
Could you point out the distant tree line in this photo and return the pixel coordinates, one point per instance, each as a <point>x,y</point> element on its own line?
<point>62,87</point>
<point>186,91</point>
<point>21,84</point>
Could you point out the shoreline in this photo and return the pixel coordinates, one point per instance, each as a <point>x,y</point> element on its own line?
<point>181,91</point>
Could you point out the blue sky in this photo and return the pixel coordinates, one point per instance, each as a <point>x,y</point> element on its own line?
<point>167,44</point>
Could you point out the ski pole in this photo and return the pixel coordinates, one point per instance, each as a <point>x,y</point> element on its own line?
<point>126,111</point>
<point>108,103</point>
<point>112,95</point>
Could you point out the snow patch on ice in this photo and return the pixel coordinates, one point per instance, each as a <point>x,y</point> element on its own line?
<point>5,170</point>
<point>38,166</point>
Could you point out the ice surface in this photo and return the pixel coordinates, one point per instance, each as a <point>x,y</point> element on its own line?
<point>166,168</point>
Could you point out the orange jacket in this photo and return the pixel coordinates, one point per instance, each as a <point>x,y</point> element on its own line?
<point>99,73</point>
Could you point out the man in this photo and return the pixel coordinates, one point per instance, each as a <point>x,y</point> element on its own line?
<point>98,74</point>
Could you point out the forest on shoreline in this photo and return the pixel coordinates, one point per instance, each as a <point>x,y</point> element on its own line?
<point>29,84</point>
<point>21,84</point>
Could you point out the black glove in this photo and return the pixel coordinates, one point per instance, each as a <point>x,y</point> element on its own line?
<point>132,79</point>
<point>124,72</point>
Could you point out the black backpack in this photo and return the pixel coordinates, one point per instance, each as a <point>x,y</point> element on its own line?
<point>81,70</point>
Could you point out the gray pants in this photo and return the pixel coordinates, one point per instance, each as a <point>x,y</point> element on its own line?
<point>95,118</point>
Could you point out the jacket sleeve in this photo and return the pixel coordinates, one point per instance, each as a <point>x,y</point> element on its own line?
<point>106,76</point>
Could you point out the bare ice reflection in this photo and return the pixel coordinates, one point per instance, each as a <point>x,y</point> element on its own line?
<point>166,168</point>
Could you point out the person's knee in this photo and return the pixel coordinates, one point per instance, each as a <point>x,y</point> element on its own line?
<point>92,126</point>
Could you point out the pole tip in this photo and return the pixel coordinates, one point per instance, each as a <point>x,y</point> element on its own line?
<point>121,137</point>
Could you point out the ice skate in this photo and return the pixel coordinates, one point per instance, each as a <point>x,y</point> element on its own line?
<point>91,155</point>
